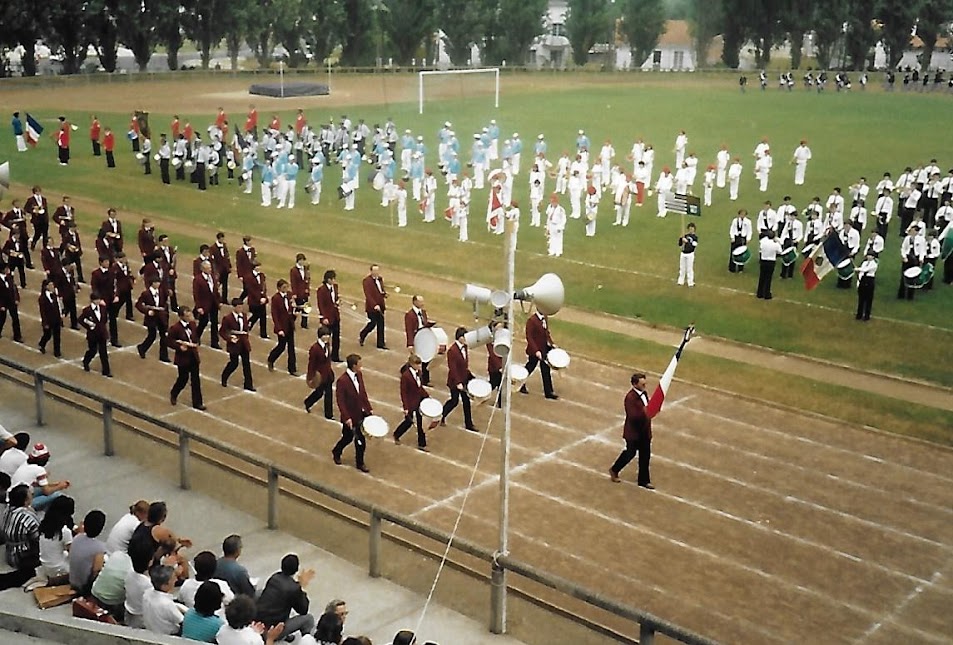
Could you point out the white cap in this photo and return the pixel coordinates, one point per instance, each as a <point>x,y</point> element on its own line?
<point>540,136</point>
<point>446,124</point>
<point>582,132</point>
<point>476,135</point>
<point>516,135</point>
<point>492,121</point>
<point>420,137</point>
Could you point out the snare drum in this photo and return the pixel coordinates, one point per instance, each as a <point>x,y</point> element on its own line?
<point>375,426</point>
<point>911,277</point>
<point>479,389</point>
<point>788,256</point>
<point>431,410</point>
<point>430,342</point>
<point>557,358</point>
<point>518,376</point>
<point>845,270</point>
<point>741,255</point>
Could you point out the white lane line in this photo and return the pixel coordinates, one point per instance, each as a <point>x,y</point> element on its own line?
<point>896,611</point>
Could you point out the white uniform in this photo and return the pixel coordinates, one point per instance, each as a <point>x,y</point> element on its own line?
<point>430,197</point>
<point>562,174</point>
<point>555,225</point>
<point>734,178</point>
<point>680,142</point>
<point>663,187</point>
<point>400,195</point>
<point>709,183</point>
<point>762,169</point>
<point>621,197</point>
<point>592,209</point>
<point>722,167</point>
<point>463,209</point>
<point>576,185</point>
<point>605,157</point>
<point>535,196</point>
<point>802,154</point>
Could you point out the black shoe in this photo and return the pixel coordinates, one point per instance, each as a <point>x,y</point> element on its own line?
<point>74,327</point>
<point>43,348</point>
<point>250,388</point>
<point>173,399</point>
<point>471,429</point>
<point>363,469</point>
<point>360,340</point>
<point>85,366</point>
<point>337,458</point>
<point>141,353</point>
<point>647,486</point>
<point>554,397</point>
<point>383,347</point>
<point>108,374</point>
<point>200,407</point>
<point>224,382</point>
<point>57,355</point>
<point>271,366</point>
<point>165,360</point>
<point>116,345</point>
<point>292,373</point>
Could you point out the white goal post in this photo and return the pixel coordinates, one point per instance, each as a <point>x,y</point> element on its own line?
<point>481,70</point>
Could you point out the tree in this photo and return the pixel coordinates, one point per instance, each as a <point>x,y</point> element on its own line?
<point>735,30</point>
<point>933,15</point>
<point>860,37</point>
<point>511,29</point>
<point>408,24</point>
<point>462,23</point>
<point>287,24</point>
<point>828,20</point>
<point>206,22</point>
<point>796,21</point>
<point>764,23</point>
<point>358,28</point>
<point>169,31</point>
<point>643,23</point>
<point>325,20</point>
<point>898,18</point>
<point>587,24</point>
<point>101,23</point>
<point>136,24</point>
<point>67,20</point>
<point>704,23</point>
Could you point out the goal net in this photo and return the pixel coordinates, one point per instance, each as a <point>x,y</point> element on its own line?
<point>458,83</point>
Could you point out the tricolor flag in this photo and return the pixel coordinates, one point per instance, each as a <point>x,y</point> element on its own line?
<point>658,396</point>
<point>33,130</point>
<point>496,209</point>
<point>823,259</point>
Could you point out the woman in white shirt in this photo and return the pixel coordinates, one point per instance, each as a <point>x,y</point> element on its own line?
<point>241,628</point>
<point>56,535</point>
<point>122,531</point>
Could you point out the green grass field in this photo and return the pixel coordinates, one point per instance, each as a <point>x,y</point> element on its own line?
<point>628,272</point>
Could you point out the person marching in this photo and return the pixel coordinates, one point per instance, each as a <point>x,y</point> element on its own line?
<point>320,376</point>
<point>9,302</point>
<point>299,276</point>
<point>94,132</point>
<point>283,318</point>
<point>257,290</point>
<point>51,318</point>
<point>374,306</point>
<point>637,433</point>
<point>414,320</point>
<point>538,343</point>
<point>234,331</point>
<point>354,407</point>
<point>165,158</point>
<point>222,263</point>
<point>866,273</point>
<point>458,366</point>
<point>153,305</point>
<point>740,234</point>
<point>94,319</point>
<point>329,308</point>
<point>412,392</point>
<point>912,254</point>
<point>686,259</point>
<point>206,298</point>
<point>183,339</point>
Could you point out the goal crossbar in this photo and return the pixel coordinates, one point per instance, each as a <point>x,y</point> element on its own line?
<point>480,70</point>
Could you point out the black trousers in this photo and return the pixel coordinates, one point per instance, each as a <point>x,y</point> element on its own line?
<point>258,314</point>
<point>97,148</point>
<point>96,346</point>
<point>14,314</point>
<point>865,298</point>
<point>458,396</point>
<point>787,270</point>
<point>642,447</point>
<point>905,292</point>
<point>930,207</point>
<point>544,371</point>
<point>764,278</point>
<point>110,159</point>
<point>303,318</point>
<point>189,374</point>
<point>375,320</point>
<point>18,265</point>
<point>113,313</point>
<point>164,171</point>
<point>54,332</point>
<point>335,328</point>
<point>209,317</point>
<point>405,424</point>
<point>158,330</point>
<point>496,381</point>
<point>69,309</point>
<point>135,144</point>
<point>147,166</point>
<point>200,175</point>
<point>326,391</point>
<point>286,341</point>
<point>63,155</point>
<point>223,282</point>
<point>347,436</point>
<point>125,301</point>
<point>734,268</point>
<point>882,227</point>
<point>25,247</point>
<point>948,270</point>
<point>232,365</point>
<point>180,172</point>
<point>41,231</point>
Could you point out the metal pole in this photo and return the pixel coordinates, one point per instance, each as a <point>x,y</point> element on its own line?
<point>498,596</point>
<point>108,429</point>
<point>39,395</point>
<point>281,76</point>
<point>272,498</point>
<point>646,634</point>
<point>185,479</point>
<point>374,545</point>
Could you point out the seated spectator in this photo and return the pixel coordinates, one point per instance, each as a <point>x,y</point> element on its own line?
<point>14,457</point>
<point>158,537</point>
<point>339,607</point>
<point>137,582</point>
<point>161,614</point>
<point>7,440</point>
<point>21,534</point>
<point>109,588</point>
<point>230,571</point>
<point>240,629</point>
<point>87,554</point>
<point>4,489</point>
<point>404,637</point>
<point>56,536</point>
<point>33,473</point>
<point>121,532</point>
<point>282,594</point>
<point>202,622</point>
<point>357,640</point>
<point>329,630</point>
<point>204,566</point>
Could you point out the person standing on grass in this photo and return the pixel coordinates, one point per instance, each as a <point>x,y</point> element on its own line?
<point>637,433</point>
<point>769,248</point>
<point>866,274</point>
<point>686,260</point>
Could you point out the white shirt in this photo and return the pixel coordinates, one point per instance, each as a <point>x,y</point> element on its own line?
<point>245,636</point>
<point>136,586</point>
<point>53,554</point>
<point>11,460</point>
<point>161,613</point>
<point>740,227</point>
<point>30,474</point>
<point>187,591</point>
<point>802,154</point>
<point>121,533</point>
<point>867,269</point>
<point>769,248</point>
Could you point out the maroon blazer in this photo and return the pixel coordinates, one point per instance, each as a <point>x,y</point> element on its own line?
<point>62,217</point>
<point>33,205</point>
<point>188,356</point>
<point>205,298</point>
<point>103,283</point>
<point>96,331</point>
<point>494,364</point>
<point>243,260</point>
<point>300,288</point>
<point>104,249</point>
<point>50,314</point>
<point>538,338</point>
<point>147,242</point>
<point>66,286</point>
<point>329,307</point>
<point>282,312</point>
<point>225,331</point>
<point>319,362</point>
<point>15,217</point>
<point>412,324</point>
<point>221,260</point>
<point>9,294</point>
<point>114,242</point>
<point>52,262</point>
<point>458,366</point>
<point>372,295</point>
<point>411,392</point>
<point>125,279</point>
<point>352,404</point>
<point>145,301</point>
<point>154,271</point>
<point>256,288</point>
<point>13,249</point>
<point>638,425</point>
<point>167,261</point>
<point>71,238</point>
<point>197,264</point>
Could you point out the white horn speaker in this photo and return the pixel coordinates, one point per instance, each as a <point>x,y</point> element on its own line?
<point>547,294</point>
<point>476,294</point>
<point>5,174</point>
<point>480,336</point>
<point>502,342</point>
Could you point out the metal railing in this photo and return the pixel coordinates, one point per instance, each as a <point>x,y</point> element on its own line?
<point>649,624</point>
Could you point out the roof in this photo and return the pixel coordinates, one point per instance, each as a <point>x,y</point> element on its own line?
<point>942,42</point>
<point>676,34</point>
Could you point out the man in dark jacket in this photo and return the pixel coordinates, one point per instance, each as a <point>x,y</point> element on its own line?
<point>281,594</point>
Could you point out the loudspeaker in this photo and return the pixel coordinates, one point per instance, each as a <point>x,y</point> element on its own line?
<point>5,174</point>
<point>547,294</point>
<point>480,336</point>
<point>502,342</point>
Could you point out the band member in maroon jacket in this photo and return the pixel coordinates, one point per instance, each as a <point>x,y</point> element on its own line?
<point>283,318</point>
<point>354,407</point>
<point>328,296</point>
<point>184,340</point>
<point>71,247</point>
<point>63,215</point>
<point>494,370</point>
<point>167,258</point>
<point>412,392</point>
<point>13,250</point>
<point>205,253</point>
<point>125,283</point>
<point>9,302</point>
<point>300,278</point>
<point>221,263</point>
<point>38,209</point>
<point>153,305</point>
<point>102,281</point>
<point>16,215</point>
<point>374,296</point>
<point>234,331</point>
<point>66,288</point>
<point>637,433</point>
<point>103,248</point>
<point>205,297</point>
<point>458,366</point>
<point>245,257</point>
<point>112,229</point>
<point>414,320</point>
<point>320,376</point>
<point>51,260</point>
<point>257,290</point>
<point>538,343</point>
<point>147,239</point>
<point>95,320</point>
<point>51,318</point>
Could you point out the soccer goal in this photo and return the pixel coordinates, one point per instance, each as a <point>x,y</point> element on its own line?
<point>495,71</point>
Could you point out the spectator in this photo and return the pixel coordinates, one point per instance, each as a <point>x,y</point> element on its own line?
<point>121,532</point>
<point>201,622</point>
<point>7,440</point>
<point>357,640</point>
<point>204,566</point>
<point>404,637</point>
<point>4,489</point>
<point>329,630</point>
<point>21,533</point>
<point>109,588</point>
<point>153,534</point>
<point>137,582</point>
<point>87,554</point>
<point>56,536</point>
<point>282,594</point>
<point>33,473</point>
<point>230,571</point>
<point>339,607</point>
<point>161,614</point>
<point>15,456</point>
<point>240,628</point>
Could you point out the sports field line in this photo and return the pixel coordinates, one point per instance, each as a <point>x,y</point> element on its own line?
<point>896,611</point>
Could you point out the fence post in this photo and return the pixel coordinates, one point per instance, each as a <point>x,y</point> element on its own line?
<point>374,545</point>
<point>38,395</point>
<point>646,634</point>
<point>497,598</point>
<point>185,478</point>
<point>272,498</point>
<point>108,429</point>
